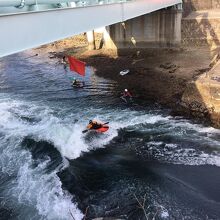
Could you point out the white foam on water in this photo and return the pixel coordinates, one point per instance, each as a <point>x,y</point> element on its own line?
<point>173,153</point>
<point>66,138</point>
<point>164,214</point>
<point>131,119</point>
<point>44,190</point>
<point>196,127</point>
<point>120,120</point>
<point>34,186</point>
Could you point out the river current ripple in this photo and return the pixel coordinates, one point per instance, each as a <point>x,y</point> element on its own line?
<point>50,170</point>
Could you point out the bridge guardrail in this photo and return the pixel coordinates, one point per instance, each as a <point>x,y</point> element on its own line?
<point>21,6</point>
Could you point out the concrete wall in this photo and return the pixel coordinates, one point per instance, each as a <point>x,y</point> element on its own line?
<point>202,32</point>
<point>197,5</point>
<point>201,28</point>
<point>157,29</point>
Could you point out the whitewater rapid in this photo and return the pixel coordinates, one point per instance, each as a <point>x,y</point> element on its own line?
<point>41,123</point>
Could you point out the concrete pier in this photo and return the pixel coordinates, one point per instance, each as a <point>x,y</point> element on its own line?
<point>91,40</point>
<point>158,29</point>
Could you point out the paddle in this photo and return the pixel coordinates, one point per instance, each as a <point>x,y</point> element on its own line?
<point>84,131</point>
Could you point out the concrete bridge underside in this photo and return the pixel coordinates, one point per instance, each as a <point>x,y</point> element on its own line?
<point>27,30</point>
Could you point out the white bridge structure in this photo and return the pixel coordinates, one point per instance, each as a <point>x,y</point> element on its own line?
<point>25,24</point>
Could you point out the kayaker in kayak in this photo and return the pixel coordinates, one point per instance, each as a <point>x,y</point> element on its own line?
<point>94,125</point>
<point>77,83</point>
<point>97,126</point>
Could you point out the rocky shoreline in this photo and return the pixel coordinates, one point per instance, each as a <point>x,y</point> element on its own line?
<point>177,78</point>
<point>174,78</point>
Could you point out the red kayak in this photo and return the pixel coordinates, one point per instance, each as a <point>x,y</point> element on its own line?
<point>102,129</point>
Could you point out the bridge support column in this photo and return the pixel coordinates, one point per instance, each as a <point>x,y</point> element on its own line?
<point>91,40</point>
<point>158,29</point>
<point>108,42</point>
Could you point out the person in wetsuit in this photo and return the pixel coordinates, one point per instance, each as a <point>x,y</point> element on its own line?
<point>94,125</point>
<point>77,83</point>
<point>64,62</point>
<point>126,95</point>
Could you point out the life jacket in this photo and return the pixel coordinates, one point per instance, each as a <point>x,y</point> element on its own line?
<point>94,125</point>
<point>127,94</point>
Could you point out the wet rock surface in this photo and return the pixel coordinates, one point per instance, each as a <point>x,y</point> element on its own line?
<point>183,79</point>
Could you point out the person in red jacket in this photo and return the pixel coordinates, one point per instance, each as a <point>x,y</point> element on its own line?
<point>126,95</point>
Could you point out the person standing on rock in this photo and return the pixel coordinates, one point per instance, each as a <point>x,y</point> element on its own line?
<point>64,62</point>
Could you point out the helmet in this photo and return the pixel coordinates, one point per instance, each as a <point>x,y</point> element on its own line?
<point>126,90</point>
<point>90,121</point>
<point>74,78</point>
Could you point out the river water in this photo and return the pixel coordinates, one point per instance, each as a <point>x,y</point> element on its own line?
<point>50,170</point>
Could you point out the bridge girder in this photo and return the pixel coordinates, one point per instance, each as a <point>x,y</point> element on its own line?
<point>27,30</point>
